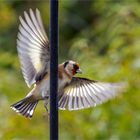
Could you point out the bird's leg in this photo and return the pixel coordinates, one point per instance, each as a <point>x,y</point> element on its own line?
<point>46,101</point>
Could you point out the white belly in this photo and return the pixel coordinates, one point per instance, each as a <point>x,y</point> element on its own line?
<point>45,86</point>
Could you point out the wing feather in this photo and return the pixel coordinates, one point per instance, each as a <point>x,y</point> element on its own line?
<point>98,92</point>
<point>37,26</point>
<point>85,93</point>
<point>79,102</point>
<point>89,100</point>
<point>33,47</point>
<point>38,16</point>
<point>84,98</point>
<point>70,100</point>
<point>93,94</point>
<point>35,30</point>
<point>93,102</point>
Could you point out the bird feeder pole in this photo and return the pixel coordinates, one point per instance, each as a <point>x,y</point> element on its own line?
<point>54,70</point>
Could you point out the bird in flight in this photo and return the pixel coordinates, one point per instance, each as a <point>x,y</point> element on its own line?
<point>74,93</point>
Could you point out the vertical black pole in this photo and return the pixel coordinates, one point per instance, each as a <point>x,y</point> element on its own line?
<point>54,70</point>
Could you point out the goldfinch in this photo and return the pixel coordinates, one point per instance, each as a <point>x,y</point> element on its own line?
<point>74,93</point>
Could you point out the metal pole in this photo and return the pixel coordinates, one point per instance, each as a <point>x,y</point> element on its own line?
<point>54,70</point>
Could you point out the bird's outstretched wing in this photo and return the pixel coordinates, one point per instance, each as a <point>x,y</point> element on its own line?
<point>83,93</point>
<point>33,47</point>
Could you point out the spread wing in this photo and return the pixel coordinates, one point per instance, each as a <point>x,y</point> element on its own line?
<point>33,47</point>
<point>83,93</point>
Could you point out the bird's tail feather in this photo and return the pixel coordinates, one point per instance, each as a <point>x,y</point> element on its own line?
<point>25,106</point>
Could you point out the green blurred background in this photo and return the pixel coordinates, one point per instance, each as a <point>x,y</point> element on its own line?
<point>104,37</point>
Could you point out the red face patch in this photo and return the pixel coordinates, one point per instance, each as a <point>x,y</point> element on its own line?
<point>75,68</point>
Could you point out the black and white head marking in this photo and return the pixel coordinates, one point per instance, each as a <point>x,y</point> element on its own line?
<point>66,63</point>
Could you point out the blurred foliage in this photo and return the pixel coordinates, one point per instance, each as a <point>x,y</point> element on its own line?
<point>104,37</point>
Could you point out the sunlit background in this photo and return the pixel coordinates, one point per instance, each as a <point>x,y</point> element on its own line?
<point>104,37</point>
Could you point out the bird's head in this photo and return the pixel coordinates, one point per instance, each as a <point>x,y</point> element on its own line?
<point>72,67</point>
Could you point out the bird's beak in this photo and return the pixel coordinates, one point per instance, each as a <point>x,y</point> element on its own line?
<point>79,71</point>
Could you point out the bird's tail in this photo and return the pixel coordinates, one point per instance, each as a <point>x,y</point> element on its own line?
<point>25,106</point>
